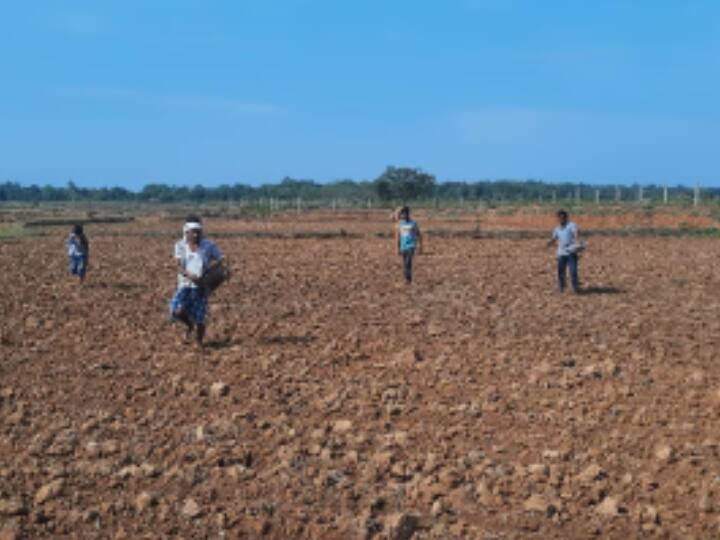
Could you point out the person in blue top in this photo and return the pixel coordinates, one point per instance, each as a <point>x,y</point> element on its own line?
<point>407,239</point>
<point>568,247</point>
<point>78,249</point>
<point>195,256</point>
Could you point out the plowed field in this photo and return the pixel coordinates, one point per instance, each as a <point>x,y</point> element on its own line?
<point>476,403</point>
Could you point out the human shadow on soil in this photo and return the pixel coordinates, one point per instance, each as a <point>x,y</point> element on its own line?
<point>217,344</point>
<point>119,285</point>
<point>601,290</point>
<point>288,340</point>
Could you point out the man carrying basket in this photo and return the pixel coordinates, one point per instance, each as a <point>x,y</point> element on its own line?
<point>569,247</point>
<point>201,269</point>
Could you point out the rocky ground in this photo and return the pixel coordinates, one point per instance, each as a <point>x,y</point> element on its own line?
<point>332,401</point>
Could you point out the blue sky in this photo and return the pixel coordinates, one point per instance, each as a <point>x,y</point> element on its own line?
<point>132,92</point>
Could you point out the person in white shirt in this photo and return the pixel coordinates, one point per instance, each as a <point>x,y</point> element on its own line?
<point>78,249</point>
<point>568,245</point>
<point>195,255</point>
<point>407,240</point>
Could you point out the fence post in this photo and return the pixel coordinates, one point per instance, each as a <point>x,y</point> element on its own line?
<point>597,196</point>
<point>554,196</point>
<point>640,194</point>
<point>696,197</point>
<point>299,204</point>
<point>617,193</point>
<point>665,194</point>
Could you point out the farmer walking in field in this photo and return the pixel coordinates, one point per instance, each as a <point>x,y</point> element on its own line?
<point>407,240</point>
<point>78,252</point>
<point>568,247</point>
<point>197,258</point>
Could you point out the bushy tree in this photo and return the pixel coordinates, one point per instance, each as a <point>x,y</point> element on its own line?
<point>404,184</point>
<point>395,184</point>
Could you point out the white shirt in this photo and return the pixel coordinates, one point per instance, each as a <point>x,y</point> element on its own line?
<point>566,236</point>
<point>195,262</point>
<point>75,247</point>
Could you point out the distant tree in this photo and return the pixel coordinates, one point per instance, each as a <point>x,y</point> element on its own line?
<point>241,191</point>
<point>119,194</point>
<point>405,184</point>
<point>74,192</point>
<point>157,193</point>
<point>454,190</point>
<point>198,193</point>
<point>395,184</point>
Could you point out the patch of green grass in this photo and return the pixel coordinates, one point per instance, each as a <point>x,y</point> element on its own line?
<point>16,231</point>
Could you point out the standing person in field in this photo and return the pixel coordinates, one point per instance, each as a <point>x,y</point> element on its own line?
<point>407,240</point>
<point>195,256</point>
<point>78,252</point>
<point>568,246</point>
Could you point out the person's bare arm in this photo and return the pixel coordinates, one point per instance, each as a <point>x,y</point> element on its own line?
<point>226,266</point>
<point>552,242</point>
<point>397,239</point>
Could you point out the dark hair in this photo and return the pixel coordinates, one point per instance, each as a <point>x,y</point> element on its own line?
<point>193,218</point>
<point>562,214</point>
<point>78,231</point>
<point>404,211</point>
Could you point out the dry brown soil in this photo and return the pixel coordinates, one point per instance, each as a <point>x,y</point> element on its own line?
<point>477,403</point>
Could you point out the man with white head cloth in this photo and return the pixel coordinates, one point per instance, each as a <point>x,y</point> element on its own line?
<point>195,256</point>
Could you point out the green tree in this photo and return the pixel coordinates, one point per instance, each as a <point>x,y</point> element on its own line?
<point>405,184</point>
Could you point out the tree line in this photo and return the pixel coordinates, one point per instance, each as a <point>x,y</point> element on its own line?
<point>395,184</point>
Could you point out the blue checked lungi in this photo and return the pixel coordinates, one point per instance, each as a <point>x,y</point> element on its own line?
<point>193,301</point>
<point>78,265</point>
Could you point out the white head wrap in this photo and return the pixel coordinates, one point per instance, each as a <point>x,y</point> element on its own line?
<point>190,225</point>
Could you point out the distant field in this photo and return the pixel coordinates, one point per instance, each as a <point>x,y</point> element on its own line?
<point>225,219</point>
<point>477,403</point>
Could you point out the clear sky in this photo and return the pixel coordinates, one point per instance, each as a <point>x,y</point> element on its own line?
<point>183,92</point>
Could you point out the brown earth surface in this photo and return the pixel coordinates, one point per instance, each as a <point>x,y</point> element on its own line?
<point>477,403</point>
<point>230,219</point>
<point>516,218</point>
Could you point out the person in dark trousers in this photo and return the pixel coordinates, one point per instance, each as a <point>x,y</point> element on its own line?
<point>568,246</point>
<point>78,249</point>
<point>407,239</point>
<point>195,255</point>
